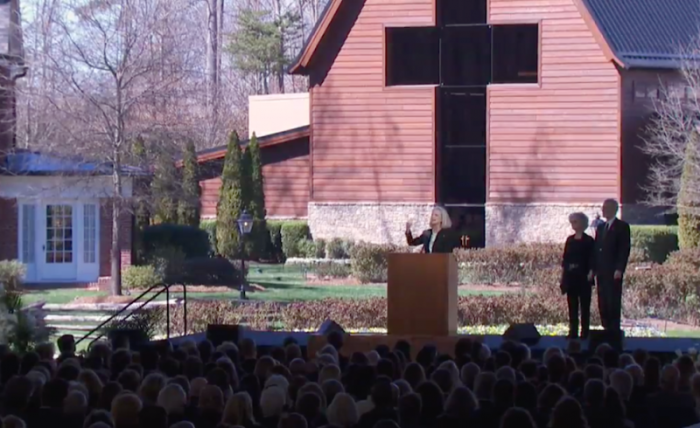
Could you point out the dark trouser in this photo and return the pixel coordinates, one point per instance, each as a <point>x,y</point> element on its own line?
<point>579,298</point>
<point>610,301</point>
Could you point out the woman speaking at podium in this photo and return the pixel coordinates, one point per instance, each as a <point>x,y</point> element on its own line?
<point>440,238</point>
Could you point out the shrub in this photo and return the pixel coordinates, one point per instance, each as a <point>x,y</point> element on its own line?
<point>12,274</point>
<point>293,233</point>
<point>202,313</point>
<point>210,271</point>
<point>192,241</point>
<point>655,242</point>
<point>689,258</point>
<point>313,249</point>
<point>337,249</point>
<point>369,262</point>
<point>331,270</point>
<point>209,226</point>
<point>140,277</point>
<point>168,263</point>
<point>668,291</point>
<point>507,265</point>
<point>151,322</point>
<point>274,245</point>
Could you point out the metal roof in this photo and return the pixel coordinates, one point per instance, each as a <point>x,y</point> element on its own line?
<point>261,140</point>
<point>25,162</point>
<point>649,33</point>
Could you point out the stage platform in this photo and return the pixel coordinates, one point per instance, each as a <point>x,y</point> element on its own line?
<point>313,342</point>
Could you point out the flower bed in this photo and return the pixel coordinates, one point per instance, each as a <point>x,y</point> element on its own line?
<point>497,330</point>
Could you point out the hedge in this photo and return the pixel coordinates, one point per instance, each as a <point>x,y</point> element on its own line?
<point>192,241</point>
<point>293,234</point>
<point>656,242</point>
<point>667,291</point>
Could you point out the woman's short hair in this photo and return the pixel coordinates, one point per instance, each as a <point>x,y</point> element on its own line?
<point>446,221</point>
<point>583,218</point>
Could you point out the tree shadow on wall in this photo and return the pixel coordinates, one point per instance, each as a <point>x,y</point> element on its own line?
<point>525,179</point>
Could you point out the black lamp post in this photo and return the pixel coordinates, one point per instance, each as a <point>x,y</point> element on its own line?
<point>245,225</point>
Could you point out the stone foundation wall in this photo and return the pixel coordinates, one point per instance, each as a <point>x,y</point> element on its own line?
<point>369,222</point>
<point>505,223</point>
<point>513,223</point>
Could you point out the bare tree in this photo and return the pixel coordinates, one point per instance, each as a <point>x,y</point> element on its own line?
<point>674,124</point>
<point>117,64</point>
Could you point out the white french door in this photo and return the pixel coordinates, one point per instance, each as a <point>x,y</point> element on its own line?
<point>58,259</point>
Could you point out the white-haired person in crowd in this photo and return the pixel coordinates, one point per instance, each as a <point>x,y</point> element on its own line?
<point>440,238</point>
<point>576,279</point>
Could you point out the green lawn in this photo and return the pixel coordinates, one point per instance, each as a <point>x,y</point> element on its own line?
<point>281,283</point>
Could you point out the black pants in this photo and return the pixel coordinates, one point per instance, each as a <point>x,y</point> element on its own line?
<point>610,301</point>
<point>579,298</point>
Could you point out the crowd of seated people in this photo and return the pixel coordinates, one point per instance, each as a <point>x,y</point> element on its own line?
<point>199,385</point>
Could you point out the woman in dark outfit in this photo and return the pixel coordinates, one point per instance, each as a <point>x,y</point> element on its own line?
<point>576,281</point>
<point>440,238</point>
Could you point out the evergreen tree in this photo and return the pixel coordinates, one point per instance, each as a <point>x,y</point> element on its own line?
<point>164,189</point>
<point>188,209</point>
<point>142,212</point>
<point>230,203</point>
<point>260,237</point>
<point>688,207</point>
<point>257,197</point>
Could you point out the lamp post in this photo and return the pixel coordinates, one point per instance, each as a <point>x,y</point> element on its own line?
<point>245,225</point>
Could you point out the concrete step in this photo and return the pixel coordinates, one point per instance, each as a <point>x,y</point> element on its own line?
<point>63,327</point>
<point>95,319</point>
<point>103,307</point>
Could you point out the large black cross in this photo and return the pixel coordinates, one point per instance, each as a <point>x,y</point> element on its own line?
<point>462,55</point>
<point>462,50</point>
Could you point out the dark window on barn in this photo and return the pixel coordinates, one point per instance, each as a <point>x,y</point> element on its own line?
<point>455,12</point>
<point>412,55</point>
<point>516,53</point>
<point>465,56</point>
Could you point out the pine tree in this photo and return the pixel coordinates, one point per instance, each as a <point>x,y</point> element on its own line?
<point>688,206</point>
<point>230,203</point>
<point>188,209</point>
<point>142,212</point>
<point>164,189</point>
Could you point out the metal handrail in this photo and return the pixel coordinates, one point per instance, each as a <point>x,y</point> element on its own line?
<point>165,288</point>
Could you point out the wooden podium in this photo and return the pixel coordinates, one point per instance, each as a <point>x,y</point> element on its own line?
<point>422,295</point>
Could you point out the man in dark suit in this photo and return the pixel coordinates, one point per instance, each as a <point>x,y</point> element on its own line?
<point>612,251</point>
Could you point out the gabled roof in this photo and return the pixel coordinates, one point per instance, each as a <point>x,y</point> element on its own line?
<point>312,41</point>
<point>25,162</point>
<point>266,141</point>
<point>632,33</point>
<point>648,33</point>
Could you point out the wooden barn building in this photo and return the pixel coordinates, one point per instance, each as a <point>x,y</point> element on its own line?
<point>511,113</point>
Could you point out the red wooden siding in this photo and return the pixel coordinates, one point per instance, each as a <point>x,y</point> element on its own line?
<point>371,143</point>
<point>286,173</point>
<point>559,141</point>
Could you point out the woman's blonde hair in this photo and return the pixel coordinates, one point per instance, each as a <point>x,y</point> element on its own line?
<point>343,411</point>
<point>238,410</point>
<point>445,220</point>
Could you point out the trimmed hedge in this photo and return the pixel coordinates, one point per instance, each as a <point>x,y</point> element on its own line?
<point>521,264</point>
<point>656,242</point>
<point>369,262</point>
<point>293,234</point>
<point>192,241</point>
<point>664,291</point>
<point>140,277</point>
